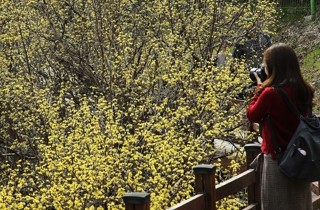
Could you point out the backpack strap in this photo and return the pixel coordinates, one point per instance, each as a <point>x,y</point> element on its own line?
<point>292,107</point>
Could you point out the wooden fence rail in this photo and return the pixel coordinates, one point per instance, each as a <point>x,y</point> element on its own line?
<point>208,193</point>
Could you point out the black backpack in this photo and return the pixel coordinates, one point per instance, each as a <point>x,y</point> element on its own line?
<point>301,159</point>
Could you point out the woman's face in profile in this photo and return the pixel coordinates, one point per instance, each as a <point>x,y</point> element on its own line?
<point>266,70</point>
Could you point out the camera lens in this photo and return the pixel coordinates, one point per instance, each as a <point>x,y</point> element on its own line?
<point>261,73</point>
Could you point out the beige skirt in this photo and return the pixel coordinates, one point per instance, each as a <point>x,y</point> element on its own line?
<point>280,193</point>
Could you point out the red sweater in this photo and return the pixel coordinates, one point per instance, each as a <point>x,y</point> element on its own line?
<point>283,120</point>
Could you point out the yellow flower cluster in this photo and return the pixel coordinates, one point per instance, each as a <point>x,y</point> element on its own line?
<point>100,98</point>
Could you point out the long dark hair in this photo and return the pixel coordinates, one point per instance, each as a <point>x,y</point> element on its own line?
<point>282,65</point>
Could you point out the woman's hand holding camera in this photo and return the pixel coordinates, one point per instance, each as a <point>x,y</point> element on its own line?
<point>257,78</point>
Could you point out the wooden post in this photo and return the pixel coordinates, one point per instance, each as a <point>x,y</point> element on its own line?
<point>137,201</point>
<point>205,183</point>
<point>252,150</point>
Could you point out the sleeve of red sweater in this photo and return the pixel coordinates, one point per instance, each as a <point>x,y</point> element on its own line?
<point>259,105</point>
<point>270,102</point>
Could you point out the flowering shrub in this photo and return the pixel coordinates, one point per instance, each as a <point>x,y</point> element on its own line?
<point>103,98</point>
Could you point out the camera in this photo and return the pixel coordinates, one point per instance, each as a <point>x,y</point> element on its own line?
<point>261,73</point>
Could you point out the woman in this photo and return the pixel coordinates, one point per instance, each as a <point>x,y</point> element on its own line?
<point>283,71</point>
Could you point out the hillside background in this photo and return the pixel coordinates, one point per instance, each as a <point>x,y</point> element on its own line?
<point>303,34</point>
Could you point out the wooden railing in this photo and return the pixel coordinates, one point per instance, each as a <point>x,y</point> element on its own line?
<point>208,193</point>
